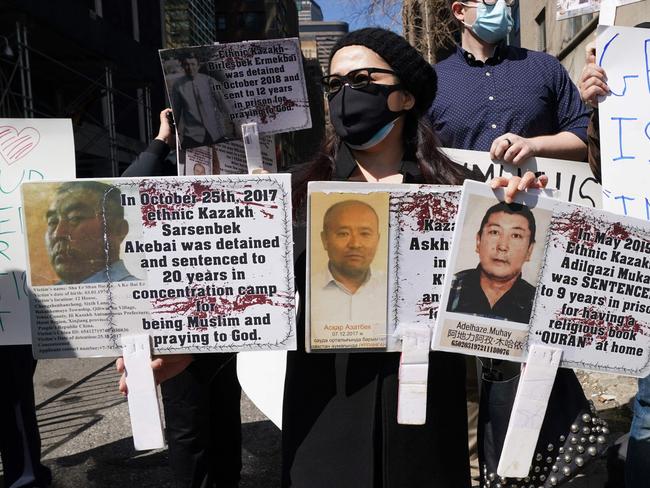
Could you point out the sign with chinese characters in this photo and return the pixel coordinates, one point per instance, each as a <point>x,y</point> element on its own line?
<point>540,271</point>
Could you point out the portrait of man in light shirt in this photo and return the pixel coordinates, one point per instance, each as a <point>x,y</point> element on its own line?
<point>348,296</point>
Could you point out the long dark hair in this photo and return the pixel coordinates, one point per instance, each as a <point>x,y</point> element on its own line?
<point>420,144</point>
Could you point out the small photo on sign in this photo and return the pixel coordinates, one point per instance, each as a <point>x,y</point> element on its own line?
<point>349,264</point>
<point>200,111</point>
<point>499,258</point>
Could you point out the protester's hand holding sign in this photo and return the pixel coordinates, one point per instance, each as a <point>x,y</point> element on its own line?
<point>166,131</point>
<point>164,368</point>
<point>514,184</point>
<point>593,80</point>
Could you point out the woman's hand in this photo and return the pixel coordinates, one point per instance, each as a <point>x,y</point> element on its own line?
<point>164,368</point>
<point>513,184</point>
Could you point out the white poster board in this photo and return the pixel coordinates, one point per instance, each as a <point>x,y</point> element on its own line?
<point>215,89</point>
<point>551,273</point>
<point>573,180</point>
<point>573,8</point>
<point>403,261</point>
<point>30,150</point>
<point>624,53</point>
<point>200,264</point>
<point>226,158</point>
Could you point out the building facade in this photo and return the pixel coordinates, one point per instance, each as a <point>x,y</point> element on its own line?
<point>567,39</point>
<point>308,10</point>
<point>189,22</point>
<point>243,20</point>
<point>93,61</point>
<point>323,35</point>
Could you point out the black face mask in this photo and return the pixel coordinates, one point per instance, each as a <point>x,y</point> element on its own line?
<point>359,114</point>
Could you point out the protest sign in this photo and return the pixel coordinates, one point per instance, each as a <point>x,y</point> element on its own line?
<point>574,8</point>
<point>201,264</point>
<point>551,273</point>
<point>573,181</point>
<point>227,158</point>
<point>379,244</point>
<point>624,53</point>
<point>30,150</point>
<point>215,89</point>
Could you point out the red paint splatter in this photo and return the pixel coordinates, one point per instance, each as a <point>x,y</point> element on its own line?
<point>423,207</point>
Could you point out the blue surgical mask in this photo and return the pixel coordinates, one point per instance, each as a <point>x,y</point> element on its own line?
<point>376,139</point>
<point>493,22</point>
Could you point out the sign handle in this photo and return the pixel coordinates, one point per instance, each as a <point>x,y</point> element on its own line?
<point>607,14</point>
<point>252,147</point>
<point>528,411</point>
<point>413,373</point>
<point>144,411</point>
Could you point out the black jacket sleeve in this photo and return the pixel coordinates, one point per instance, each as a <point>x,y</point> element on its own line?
<point>152,162</point>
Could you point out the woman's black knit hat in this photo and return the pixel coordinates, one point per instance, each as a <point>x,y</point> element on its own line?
<point>416,75</point>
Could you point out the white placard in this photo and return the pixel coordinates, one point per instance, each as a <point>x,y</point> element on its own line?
<point>200,264</point>
<point>406,261</point>
<point>215,89</point>
<point>624,53</point>
<point>30,150</point>
<point>570,277</point>
<point>226,158</point>
<point>573,180</point>
<point>573,8</point>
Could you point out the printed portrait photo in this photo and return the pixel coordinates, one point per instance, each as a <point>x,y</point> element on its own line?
<point>76,232</point>
<point>497,267</point>
<point>200,110</point>
<point>348,270</point>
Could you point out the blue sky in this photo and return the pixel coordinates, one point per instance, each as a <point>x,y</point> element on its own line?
<point>353,12</point>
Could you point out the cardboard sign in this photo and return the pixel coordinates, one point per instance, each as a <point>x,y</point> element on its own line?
<point>377,255</point>
<point>200,264</point>
<point>30,150</point>
<point>624,53</point>
<point>215,89</point>
<point>574,8</point>
<point>573,181</point>
<point>550,273</point>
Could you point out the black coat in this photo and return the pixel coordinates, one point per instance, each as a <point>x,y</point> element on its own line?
<point>340,411</point>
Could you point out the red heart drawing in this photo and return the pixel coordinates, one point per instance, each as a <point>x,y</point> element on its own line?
<point>15,144</point>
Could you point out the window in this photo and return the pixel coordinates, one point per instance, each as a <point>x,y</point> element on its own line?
<point>221,22</point>
<point>252,21</point>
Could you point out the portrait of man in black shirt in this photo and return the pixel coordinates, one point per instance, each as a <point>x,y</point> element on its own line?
<point>495,288</point>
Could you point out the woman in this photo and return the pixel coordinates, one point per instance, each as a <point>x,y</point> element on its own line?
<point>340,410</point>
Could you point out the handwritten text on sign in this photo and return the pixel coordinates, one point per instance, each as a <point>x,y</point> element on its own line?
<point>624,53</point>
<point>30,150</point>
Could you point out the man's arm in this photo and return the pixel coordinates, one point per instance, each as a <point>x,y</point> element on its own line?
<point>150,162</point>
<point>570,142</point>
<point>515,149</point>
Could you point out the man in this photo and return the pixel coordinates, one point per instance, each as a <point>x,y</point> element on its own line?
<point>348,292</point>
<point>85,227</point>
<point>512,102</point>
<point>495,288</point>
<point>199,108</point>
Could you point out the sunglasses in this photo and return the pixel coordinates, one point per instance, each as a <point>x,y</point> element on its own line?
<point>357,78</point>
